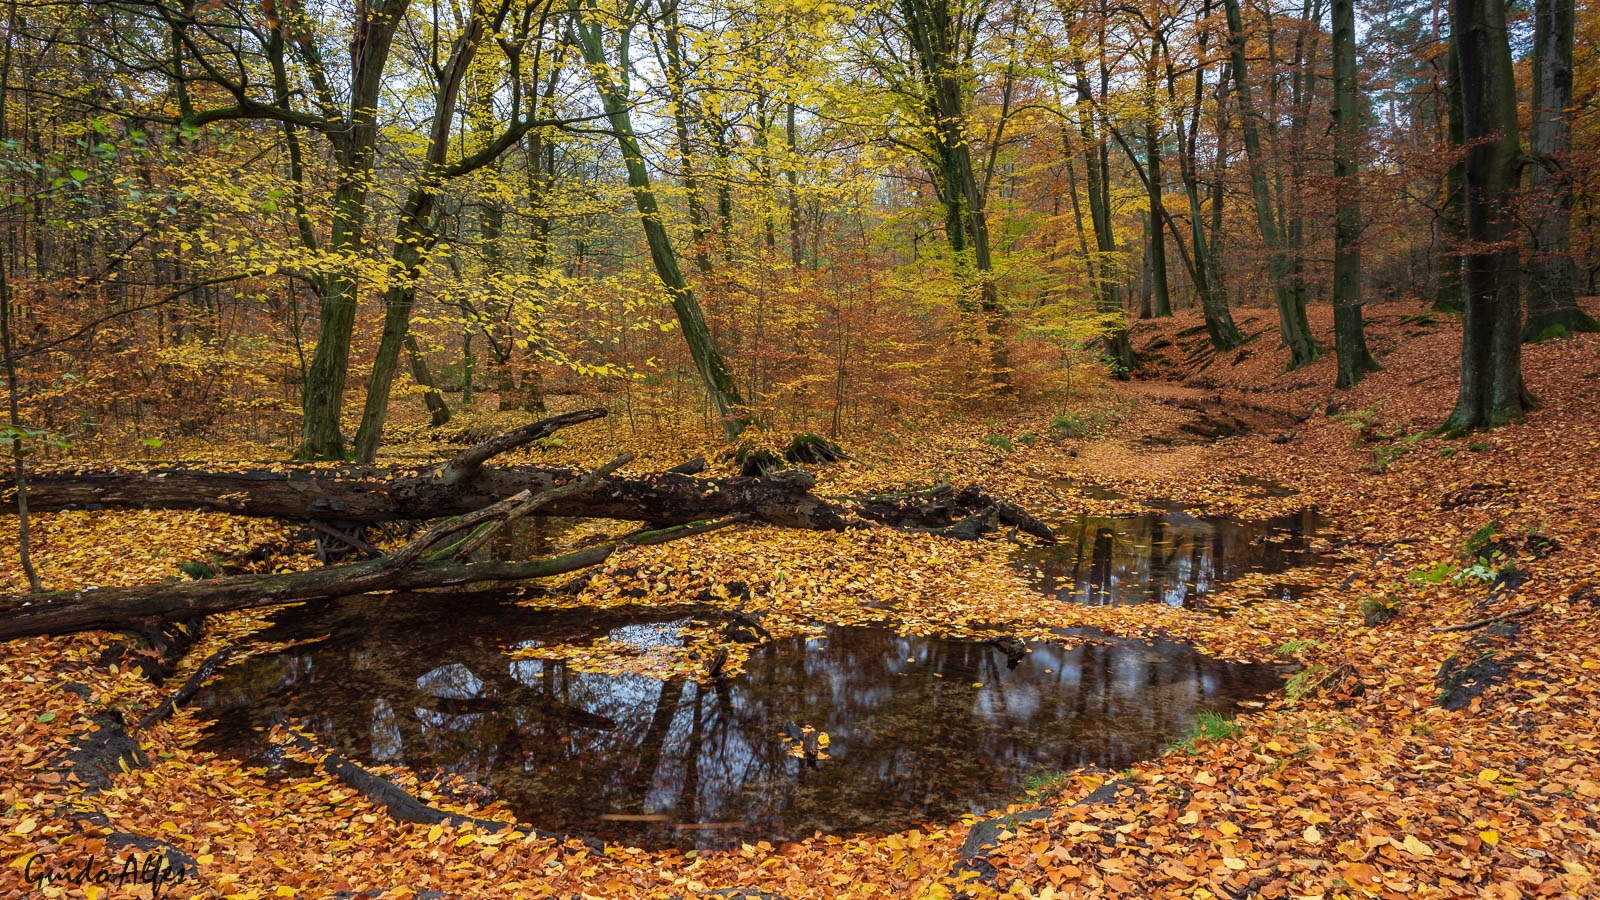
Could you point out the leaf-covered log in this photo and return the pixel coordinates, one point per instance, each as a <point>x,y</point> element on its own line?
<point>467,482</point>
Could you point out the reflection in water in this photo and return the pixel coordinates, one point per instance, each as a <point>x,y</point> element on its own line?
<point>922,729</point>
<point>1172,558</point>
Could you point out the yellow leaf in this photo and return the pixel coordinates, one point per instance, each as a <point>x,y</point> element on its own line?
<point>1575,868</point>
<point>434,832</point>
<point>1416,847</point>
<point>1191,817</point>
<point>1312,835</point>
<point>1489,836</point>
<point>1488,776</point>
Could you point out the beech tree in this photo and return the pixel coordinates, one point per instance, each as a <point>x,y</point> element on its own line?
<point>1292,322</point>
<point>590,26</point>
<point>1492,391</point>
<point>1552,299</point>
<point>1349,334</point>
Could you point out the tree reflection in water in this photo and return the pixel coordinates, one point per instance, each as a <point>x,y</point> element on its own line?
<point>1172,557</point>
<point>923,729</point>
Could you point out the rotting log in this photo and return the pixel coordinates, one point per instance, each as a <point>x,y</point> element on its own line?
<point>136,607</point>
<point>467,482</point>
<point>428,561</point>
<point>475,500</point>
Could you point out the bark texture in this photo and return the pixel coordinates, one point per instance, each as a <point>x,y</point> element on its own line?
<point>1553,309</point>
<point>1492,391</point>
<point>1350,337</point>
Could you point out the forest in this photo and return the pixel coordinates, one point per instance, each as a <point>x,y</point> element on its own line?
<point>807,448</point>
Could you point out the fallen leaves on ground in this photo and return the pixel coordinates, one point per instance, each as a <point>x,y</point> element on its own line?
<point>1355,783</point>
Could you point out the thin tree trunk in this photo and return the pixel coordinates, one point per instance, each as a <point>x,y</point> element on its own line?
<point>438,410</point>
<point>1202,265</point>
<point>1449,296</point>
<point>792,173</point>
<point>18,467</point>
<point>612,87</point>
<point>1157,263</point>
<point>1291,309</point>
<point>1098,184</point>
<point>680,120</point>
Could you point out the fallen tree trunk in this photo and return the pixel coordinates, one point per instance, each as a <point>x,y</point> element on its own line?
<point>144,606</point>
<point>467,482</point>
<point>429,560</point>
<point>461,488</point>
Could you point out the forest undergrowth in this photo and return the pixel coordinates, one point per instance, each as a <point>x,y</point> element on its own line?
<point>1426,747</point>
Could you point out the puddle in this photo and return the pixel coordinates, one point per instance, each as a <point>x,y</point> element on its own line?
<point>922,729</point>
<point>1164,557</point>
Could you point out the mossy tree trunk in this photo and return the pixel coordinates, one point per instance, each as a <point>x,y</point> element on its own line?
<point>1492,390</point>
<point>1160,295</point>
<point>322,400</point>
<point>1552,299</point>
<point>612,85</point>
<point>1350,336</point>
<point>414,237</point>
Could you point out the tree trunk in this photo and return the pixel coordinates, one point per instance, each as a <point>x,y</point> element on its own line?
<point>466,483</point>
<point>1553,309</point>
<point>438,410</point>
<point>680,119</point>
<point>18,466</point>
<point>612,87</point>
<point>1099,183</point>
<point>1350,337</point>
<point>322,399</point>
<point>420,564</point>
<point>414,236</point>
<point>1146,309</point>
<point>1492,391</point>
<point>1201,263</point>
<point>1448,296</point>
<point>1160,295</point>
<point>1291,308</point>
<point>935,31</point>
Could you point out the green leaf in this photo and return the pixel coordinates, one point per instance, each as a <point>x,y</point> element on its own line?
<point>47,718</point>
<point>79,175</point>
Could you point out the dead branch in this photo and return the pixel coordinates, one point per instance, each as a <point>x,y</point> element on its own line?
<point>1490,620</point>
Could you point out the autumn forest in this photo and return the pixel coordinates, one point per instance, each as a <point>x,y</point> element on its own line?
<point>815,448</point>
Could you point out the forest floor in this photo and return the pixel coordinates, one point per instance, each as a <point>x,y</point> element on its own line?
<point>1356,781</point>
